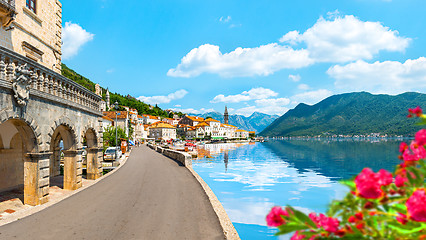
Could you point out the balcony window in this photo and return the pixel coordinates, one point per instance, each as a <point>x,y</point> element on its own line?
<point>31,4</point>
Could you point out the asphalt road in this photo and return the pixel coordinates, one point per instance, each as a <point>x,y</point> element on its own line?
<point>150,197</point>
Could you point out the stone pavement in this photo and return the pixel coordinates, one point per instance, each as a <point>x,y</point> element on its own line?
<point>149,197</point>
<point>11,202</point>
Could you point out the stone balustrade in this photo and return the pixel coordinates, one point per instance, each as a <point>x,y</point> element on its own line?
<point>46,83</point>
<point>8,4</point>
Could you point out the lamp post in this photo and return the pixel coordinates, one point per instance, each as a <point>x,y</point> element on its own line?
<point>116,125</point>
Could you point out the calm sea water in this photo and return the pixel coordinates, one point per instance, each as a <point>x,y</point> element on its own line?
<point>250,179</point>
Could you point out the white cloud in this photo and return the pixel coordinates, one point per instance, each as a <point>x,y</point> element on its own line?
<point>241,62</point>
<point>339,39</point>
<point>303,86</point>
<point>225,19</point>
<point>272,106</point>
<point>164,99</point>
<point>294,78</point>
<point>252,94</point>
<point>381,77</point>
<point>178,106</point>
<point>111,70</point>
<point>347,38</point>
<point>311,97</point>
<point>193,111</point>
<point>74,37</point>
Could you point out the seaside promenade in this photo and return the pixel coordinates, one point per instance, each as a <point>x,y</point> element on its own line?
<point>150,197</point>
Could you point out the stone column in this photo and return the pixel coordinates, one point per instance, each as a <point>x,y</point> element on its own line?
<point>70,169</point>
<point>36,178</point>
<point>92,164</point>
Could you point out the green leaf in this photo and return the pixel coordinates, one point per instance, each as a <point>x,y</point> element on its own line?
<point>302,217</point>
<point>290,227</point>
<point>404,229</point>
<point>349,183</point>
<point>399,207</point>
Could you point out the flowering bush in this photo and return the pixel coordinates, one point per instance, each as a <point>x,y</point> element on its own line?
<point>380,205</point>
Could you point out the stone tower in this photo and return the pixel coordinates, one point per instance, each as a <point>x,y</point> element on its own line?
<point>107,99</point>
<point>226,116</point>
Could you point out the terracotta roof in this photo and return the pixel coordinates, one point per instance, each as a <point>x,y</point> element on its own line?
<point>211,120</point>
<point>161,124</point>
<point>194,118</point>
<point>240,130</point>
<point>107,118</point>
<point>252,131</point>
<point>111,114</point>
<point>139,116</point>
<point>202,124</point>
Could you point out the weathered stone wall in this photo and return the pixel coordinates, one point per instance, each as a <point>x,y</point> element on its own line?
<point>42,30</point>
<point>43,114</point>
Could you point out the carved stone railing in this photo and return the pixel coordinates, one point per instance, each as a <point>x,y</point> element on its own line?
<point>26,77</point>
<point>9,5</point>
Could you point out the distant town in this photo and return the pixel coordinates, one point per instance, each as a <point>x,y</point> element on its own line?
<point>145,127</point>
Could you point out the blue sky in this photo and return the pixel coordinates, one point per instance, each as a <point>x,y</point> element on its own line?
<point>264,56</point>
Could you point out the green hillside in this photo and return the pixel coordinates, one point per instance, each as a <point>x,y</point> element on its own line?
<point>128,100</point>
<point>350,114</point>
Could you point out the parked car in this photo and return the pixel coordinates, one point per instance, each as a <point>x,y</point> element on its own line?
<point>119,153</point>
<point>110,154</point>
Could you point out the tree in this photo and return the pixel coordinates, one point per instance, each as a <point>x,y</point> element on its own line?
<point>109,136</point>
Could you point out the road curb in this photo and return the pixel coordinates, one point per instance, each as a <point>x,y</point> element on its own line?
<point>32,210</point>
<point>226,224</point>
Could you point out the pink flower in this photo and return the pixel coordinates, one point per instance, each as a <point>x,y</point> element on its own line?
<point>402,147</point>
<point>417,111</point>
<point>402,218</point>
<point>416,206</point>
<point>274,218</point>
<point>421,137</point>
<point>385,177</point>
<point>368,184</point>
<point>418,150</point>
<point>328,223</point>
<point>297,236</point>
<point>400,180</point>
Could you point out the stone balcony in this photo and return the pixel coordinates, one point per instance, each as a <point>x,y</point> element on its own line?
<point>7,12</point>
<point>45,83</point>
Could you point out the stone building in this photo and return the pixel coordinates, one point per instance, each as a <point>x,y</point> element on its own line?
<point>162,131</point>
<point>191,120</point>
<point>33,28</point>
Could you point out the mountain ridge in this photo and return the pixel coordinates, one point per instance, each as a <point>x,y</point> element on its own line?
<point>350,114</point>
<point>255,122</point>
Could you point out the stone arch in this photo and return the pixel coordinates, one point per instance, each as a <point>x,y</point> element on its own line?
<point>91,135</point>
<point>93,164</point>
<point>63,142</point>
<point>66,124</point>
<point>27,125</point>
<point>19,159</point>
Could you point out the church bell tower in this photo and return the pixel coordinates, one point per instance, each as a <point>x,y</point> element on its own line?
<point>226,116</point>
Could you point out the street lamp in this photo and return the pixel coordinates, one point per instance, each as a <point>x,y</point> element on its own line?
<point>116,125</point>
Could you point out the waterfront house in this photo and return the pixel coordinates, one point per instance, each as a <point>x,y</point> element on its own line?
<point>191,120</point>
<point>162,131</point>
<point>239,133</point>
<point>148,119</point>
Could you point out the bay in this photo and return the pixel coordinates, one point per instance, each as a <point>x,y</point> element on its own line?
<point>249,179</point>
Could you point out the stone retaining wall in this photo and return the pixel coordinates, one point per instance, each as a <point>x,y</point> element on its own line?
<point>181,157</point>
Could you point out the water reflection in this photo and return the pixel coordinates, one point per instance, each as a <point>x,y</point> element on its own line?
<point>250,179</point>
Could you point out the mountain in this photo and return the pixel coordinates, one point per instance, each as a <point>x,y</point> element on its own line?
<point>256,122</point>
<point>349,114</point>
